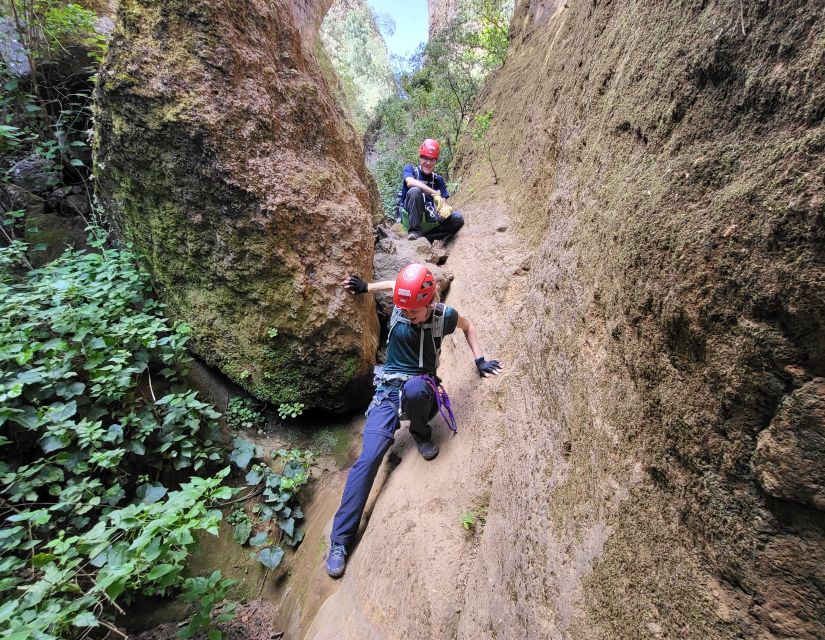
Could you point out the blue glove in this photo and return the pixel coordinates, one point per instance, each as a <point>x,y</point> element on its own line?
<point>355,284</point>
<point>487,367</point>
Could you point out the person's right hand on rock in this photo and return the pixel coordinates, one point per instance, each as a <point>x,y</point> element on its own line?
<point>355,285</point>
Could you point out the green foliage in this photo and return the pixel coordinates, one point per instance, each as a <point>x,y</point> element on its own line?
<point>241,414</point>
<point>438,94</point>
<point>206,592</point>
<point>351,39</point>
<point>68,23</point>
<point>280,505</point>
<point>83,351</point>
<point>474,519</point>
<point>242,524</point>
<point>290,410</point>
<point>481,126</point>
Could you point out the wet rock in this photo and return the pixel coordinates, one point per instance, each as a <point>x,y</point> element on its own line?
<point>35,175</point>
<point>226,161</point>
<point>75,205</point>
<point>789,461</point>
<point>53,234</point>
<point>13,198</point>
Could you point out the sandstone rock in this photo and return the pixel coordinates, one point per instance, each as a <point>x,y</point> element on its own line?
<point>222,156</point>
<point>789,460</point>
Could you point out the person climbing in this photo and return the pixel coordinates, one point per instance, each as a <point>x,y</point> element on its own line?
<point>407,386</point>
<point>422,201</point>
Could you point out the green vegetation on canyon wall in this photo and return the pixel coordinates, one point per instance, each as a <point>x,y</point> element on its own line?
<point>352,39</point>
<point>437,93</point>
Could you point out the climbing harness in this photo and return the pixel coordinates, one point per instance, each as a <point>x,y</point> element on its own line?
<point>391,380</point>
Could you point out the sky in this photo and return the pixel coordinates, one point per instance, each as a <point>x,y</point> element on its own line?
<point>411,24</point>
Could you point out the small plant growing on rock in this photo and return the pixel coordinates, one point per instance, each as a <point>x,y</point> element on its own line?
<point>290,410</point>
<point>206,592</point>
<point>473,519</point>
<point>241,414</point>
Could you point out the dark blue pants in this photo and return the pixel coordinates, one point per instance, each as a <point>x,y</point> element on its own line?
<point>379,434</point>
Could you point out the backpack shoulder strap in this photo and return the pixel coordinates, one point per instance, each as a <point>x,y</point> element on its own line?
<point>438,320</point>
<point>395,318</point>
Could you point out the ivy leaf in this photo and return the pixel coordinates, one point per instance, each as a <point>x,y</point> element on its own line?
<point>59,411</point>
<point>161,570</point>
<point>242,531</point>
<point>28,419</point>
<point>271,557</point>
<point>243,453</point>
<point>68,391</point>
<point>287,526</point>
<point>150,492</point>
<point>258,539</point>
<point>136,447</point>
<point>54,442</point>
<point>254,476</point>
<point>85,619</point>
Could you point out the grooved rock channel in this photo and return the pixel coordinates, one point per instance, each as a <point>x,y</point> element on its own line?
<point>223,157</point>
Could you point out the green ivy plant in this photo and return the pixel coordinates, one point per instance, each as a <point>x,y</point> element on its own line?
<point>96,427</point>
<point>206,592</point>
<point>280,505</point>
<point>290,409</point>
<point>241,414</point>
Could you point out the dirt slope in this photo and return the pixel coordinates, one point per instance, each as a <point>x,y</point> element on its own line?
<point>407,576</point>
<point>651,460</point>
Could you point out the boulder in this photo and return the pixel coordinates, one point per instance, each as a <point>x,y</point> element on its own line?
<point>76,205</point>
<point>789,460</point>
<point>13,198</point>
<point>223,157</point>
<point>35,175</point>
<point>54,234</point>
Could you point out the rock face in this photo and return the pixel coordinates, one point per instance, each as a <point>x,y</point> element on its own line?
<point>359,55</point>
<point>789,460</point>
<point>223,158</point>
<point>664,161</point>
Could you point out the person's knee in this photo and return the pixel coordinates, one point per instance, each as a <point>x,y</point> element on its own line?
<point>456,220</point>
<point>416,388</point>
<point>414,194</point>
<point>417,396</point>
<point>373,450</point>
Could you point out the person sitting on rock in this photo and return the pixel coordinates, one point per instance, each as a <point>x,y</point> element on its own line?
<point>422,201</point>
<point>407,386</point>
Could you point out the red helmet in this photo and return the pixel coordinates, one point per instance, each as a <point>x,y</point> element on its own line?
<point>414,287</point>
<point>429,148</point>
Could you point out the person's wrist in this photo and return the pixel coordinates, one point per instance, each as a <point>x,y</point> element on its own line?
<point>478,360</point>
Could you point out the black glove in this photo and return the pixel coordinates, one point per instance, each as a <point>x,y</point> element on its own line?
<point>487,367</point>
<point>355,284</point>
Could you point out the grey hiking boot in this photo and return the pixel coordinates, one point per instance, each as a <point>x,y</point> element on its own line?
<point>428,450</point>
<point>414,235</point>
<point>336,560</point>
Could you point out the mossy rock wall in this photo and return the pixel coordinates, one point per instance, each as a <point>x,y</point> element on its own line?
<point>665,159</point>
<point>221,155</point>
